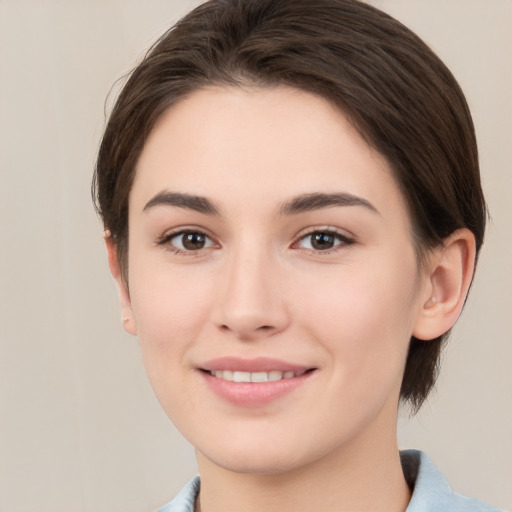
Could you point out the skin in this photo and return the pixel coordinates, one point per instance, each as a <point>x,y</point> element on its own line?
<point>259,287</point>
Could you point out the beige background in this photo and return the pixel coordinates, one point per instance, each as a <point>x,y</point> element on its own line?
<point>79,427</point>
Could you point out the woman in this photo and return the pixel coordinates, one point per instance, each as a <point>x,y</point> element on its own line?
<point>293,212</point>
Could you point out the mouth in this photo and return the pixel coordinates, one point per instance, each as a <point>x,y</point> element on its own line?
<point>254,382</point>
<point>263,376</point>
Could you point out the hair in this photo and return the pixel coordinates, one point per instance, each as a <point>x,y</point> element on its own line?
<point>393,89</point>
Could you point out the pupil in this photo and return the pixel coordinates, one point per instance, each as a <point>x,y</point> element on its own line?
<point>193,241</point>
<point>322,241</point>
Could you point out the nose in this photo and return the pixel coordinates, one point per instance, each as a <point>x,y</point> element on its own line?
<point>251,302</point>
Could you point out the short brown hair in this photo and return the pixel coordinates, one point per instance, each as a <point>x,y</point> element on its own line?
<point>391,86</point>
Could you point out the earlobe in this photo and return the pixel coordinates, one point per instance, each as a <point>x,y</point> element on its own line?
<point>450,275</point>
<point>127,317</point>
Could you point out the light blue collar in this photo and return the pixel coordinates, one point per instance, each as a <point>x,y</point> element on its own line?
<point>431,491</point>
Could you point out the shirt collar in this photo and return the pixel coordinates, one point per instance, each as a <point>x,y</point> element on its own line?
<point>430,490</point>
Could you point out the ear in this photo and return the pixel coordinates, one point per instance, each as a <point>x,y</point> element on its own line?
<point>128,319</point>
<point>449,277</point>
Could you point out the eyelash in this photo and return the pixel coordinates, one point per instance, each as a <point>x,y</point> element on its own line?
<point>343,241</point>
<point>166,241</point>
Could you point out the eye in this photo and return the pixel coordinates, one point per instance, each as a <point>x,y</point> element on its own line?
<point>323,240</point>
<point>187,241</point>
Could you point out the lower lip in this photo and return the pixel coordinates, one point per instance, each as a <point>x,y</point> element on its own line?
<point>253,394</point>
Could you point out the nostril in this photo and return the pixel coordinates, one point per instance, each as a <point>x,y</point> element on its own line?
<point>264,328</point>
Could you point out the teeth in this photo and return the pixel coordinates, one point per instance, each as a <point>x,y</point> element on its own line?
<point>275,375</point>
<point>259,377</point>
<point>272,376</point>
<point>241,377</point>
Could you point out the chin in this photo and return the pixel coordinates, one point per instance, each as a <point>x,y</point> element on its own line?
<point>264,458</point>
<point>246,463</point>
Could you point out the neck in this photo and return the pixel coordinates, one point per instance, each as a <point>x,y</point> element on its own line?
<point>350,479</point>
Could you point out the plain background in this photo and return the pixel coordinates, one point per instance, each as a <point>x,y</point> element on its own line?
<point>80,429</point>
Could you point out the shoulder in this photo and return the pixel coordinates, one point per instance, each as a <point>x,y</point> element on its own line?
<point>186,499</point>
<point>431,490</point>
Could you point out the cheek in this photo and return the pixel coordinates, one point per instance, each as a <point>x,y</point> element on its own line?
<point>363,315</point>
<point>167,301</point>
<point>355,300</point>
<point>171,309</point>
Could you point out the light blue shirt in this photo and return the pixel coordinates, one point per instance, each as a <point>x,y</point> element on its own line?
<point>431,492</point>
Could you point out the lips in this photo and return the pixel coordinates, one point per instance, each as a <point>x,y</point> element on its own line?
<point>259,364</point>
<point>241,376</point>
<point>253,382</point>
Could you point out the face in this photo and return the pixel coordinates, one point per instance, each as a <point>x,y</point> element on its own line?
<point>273,282</point>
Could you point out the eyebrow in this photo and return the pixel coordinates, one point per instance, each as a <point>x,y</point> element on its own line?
<point>300,204</point>
<point>188,201</point>
<point>317,201</point>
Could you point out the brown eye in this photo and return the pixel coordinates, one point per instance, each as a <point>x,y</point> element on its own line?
<point>190,241</point>
<point>323,241</point>
<point>193,241</point>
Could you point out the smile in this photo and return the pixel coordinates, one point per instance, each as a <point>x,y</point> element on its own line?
<point>253,383</point>
<point>241,376</point>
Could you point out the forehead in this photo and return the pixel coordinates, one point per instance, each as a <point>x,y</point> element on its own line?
<point>270,143</point>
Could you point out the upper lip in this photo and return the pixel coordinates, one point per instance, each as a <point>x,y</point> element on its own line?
<point>259,364</point>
